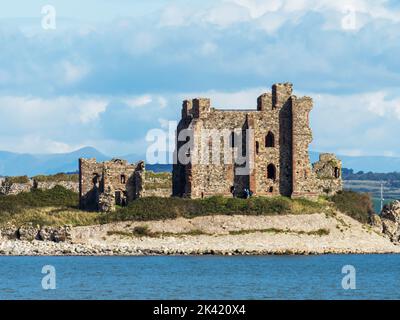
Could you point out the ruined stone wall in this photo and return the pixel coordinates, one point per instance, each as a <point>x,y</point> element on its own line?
<point>15,188</point>
<point>328,173</point>
<point>103,186</point>
<point>47,185</point>
<point>90,183</point>
<point>219,177</point>
<point>303,177</point>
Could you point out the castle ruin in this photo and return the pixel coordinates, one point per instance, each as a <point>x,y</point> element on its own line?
<point>103,185</point>
<point>273,138</point>
<point>264,152</point>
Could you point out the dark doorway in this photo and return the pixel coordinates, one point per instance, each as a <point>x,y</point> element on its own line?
<point>271,172</point>
<point>118,198</point>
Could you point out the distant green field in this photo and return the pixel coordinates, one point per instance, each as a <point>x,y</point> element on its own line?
<point>390,193</point>
<point>377,203</point>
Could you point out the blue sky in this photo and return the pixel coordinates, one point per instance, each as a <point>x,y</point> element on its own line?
<point>112,70</point>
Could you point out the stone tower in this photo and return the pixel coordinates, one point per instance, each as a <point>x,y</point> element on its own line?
<point>262,150</point>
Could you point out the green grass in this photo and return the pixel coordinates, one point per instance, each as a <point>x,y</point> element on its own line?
<point>154,208</point>
<point>56,197</point>
<point>57,177</point>
<point>18,179</point>
<point>319,232</point>
<point>59,206</point>
<point>120,233</point>
<point>144,231</point>
<point>359,206</point>
<point>158,180</point>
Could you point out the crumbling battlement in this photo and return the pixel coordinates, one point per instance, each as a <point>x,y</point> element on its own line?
<point>102,185</point>
<point>105,185</point>
<point>328,171</point>
<point>276,150</point>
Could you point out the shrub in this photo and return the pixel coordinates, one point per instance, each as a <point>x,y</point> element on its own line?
<point>142,231</point>
<point>154,208</point>
<point>359,206</point>
<point>56,197</point>
<point>19,179</point>
<point>57,177</point>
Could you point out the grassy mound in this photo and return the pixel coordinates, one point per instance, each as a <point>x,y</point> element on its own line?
<point>59,206</point>
<point>17,179</point>
<point>57,177</point>
<point>29,206</point>
<point>154,208</point>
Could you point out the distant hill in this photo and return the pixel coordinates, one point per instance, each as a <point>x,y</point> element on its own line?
<point>14,164</point>
<point>18,164</point>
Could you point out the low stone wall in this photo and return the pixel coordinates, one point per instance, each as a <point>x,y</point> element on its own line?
<point>328,186</point>
<point>159,192</point>
<point>46,185</point>
<point>16,188</point>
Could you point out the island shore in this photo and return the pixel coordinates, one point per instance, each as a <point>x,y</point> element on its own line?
<point>217,234</point>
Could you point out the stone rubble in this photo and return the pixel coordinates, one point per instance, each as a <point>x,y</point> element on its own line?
<point>389,221</point>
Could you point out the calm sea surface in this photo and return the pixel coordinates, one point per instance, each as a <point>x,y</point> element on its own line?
<point>203,277</point>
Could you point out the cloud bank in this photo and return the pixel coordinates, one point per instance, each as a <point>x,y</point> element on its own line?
<point>106,77</point>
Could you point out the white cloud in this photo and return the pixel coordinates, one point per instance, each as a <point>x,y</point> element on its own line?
<point>139,101</point>
<point>225,14</point>
<point>257,8</point>
<point>74,72</point>
<point>90,109</point>
<point>356,124</point>
<point>34,114</point>
<point>162,102</point>
<point>35,143</point>
<point>173,16</point>
<point>208,48</point>
<point>271,15</point>
<point>350,152</point>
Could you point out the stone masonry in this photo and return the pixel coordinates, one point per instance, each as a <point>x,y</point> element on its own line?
<point>274,140</point>
<point>104,185</point>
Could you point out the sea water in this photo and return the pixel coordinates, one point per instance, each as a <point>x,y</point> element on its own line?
<point>201,277</point>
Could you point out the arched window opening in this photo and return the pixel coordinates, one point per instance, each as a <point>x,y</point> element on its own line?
<point>123,178</point>
<point>271,189</point>
<point>337,173</point>
<point>95,179</point>
<point>257,147</point>
<point>270,140</point>
<point>271,172</point>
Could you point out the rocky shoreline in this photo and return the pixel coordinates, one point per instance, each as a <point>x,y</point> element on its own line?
<point>310,234</point>
<point>37,248</point>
